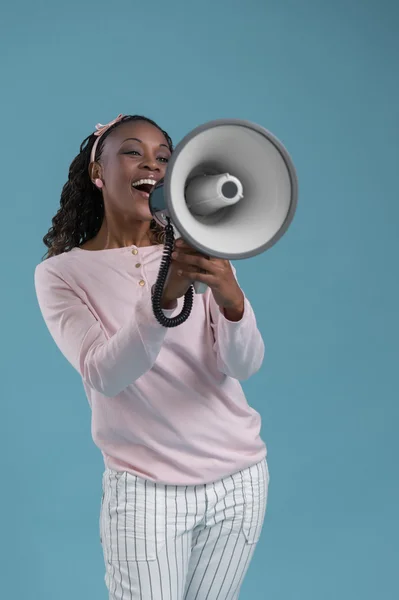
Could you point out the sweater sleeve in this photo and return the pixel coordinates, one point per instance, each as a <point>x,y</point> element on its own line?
<point>107,364</point>
<point>238,345</point>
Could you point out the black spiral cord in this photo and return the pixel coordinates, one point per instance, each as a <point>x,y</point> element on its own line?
<point>160,284</point>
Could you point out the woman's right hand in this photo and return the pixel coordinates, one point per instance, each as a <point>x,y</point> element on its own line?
<point>176,286</point>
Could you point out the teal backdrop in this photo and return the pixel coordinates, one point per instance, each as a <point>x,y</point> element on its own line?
<point>323,77</point>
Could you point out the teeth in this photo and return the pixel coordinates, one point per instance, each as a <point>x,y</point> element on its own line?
<point>143,181</point>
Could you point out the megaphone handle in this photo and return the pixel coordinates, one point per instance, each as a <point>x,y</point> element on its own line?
<point>199,287</point>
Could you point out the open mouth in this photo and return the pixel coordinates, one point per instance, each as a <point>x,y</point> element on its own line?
<point>144,187</point>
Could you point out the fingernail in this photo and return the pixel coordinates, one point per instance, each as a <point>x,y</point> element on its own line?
<point>179,243</point>
<point>175,254</point>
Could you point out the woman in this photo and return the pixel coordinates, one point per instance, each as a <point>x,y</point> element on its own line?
<point>186,479</point>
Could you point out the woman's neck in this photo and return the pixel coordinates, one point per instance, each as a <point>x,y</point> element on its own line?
<point>106,240</point>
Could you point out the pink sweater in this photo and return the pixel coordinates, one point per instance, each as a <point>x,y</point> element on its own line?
<point>166,404</point>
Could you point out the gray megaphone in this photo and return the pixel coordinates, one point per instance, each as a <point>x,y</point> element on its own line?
<point>230,191</point>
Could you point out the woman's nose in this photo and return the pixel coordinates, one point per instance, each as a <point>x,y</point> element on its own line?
<point>150,164</point>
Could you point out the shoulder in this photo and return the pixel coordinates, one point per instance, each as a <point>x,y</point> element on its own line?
<point>56,266</point>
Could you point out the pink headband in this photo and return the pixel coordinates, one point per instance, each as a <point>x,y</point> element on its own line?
<point>100,130</point>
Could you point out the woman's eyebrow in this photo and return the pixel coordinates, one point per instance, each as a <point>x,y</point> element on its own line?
<point>132,138</point>
<point>137,140</point>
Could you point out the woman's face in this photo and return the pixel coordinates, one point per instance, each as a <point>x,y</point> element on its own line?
<point>134,152</point>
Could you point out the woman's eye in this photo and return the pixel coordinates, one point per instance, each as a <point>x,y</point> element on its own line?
<point>136,153</point>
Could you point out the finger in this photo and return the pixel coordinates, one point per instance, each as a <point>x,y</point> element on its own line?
<point>184,247</point>
<point>207,278</point>
<point>182,268</point>
<point>195,260</point>
<point>182,244</point>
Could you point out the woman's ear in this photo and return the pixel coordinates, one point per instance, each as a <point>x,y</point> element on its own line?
<point>95,172</point>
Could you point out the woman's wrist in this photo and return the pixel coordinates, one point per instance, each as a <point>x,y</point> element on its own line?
<point>168,304</point>
<point>235,311</point>
<point>234,314</point>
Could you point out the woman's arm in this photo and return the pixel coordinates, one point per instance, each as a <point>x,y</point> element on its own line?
<point>239,346</point>
<point>108,365</point>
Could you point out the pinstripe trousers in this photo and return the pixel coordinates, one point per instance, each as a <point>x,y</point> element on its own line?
<point>167,542</point>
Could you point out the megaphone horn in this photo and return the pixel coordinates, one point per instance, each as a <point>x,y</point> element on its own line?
<point>230,190</point>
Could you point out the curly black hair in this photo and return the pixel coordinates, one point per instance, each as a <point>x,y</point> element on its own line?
<point>81,211</point>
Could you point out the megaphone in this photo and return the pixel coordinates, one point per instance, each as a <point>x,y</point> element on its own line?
<point>230,190</point>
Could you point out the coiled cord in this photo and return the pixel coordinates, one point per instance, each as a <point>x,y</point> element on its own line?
<point>160,284</point>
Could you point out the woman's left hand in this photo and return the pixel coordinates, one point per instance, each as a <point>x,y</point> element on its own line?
<point>218,276</point>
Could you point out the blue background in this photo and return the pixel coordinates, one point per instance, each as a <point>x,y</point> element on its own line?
<point>323,77</point>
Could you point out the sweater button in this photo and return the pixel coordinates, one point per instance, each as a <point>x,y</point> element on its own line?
<point>141,282</point>
<point>138,265</point>
<point>135,251</point>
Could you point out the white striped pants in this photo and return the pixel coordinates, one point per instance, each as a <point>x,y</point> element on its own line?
<point>167,542</point>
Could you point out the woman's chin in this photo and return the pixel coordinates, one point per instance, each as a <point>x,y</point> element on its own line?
<point>140,196</point>
<point>146,212</point>
<point>141,207</point>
